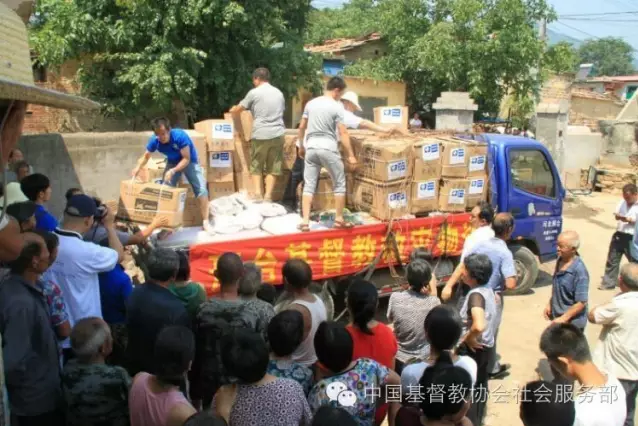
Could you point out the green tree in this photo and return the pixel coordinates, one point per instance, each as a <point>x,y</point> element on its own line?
<point>145,57</point>
<point>560,58</point>
<point>485,47</point>
<point>354,19</point>
<point>611,56</point>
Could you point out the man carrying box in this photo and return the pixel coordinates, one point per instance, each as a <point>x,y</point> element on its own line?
<point>324,118</point>
<point>181,157</point>
<point>267,104</point>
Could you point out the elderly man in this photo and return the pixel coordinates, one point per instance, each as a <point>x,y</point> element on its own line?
<point>181,157</point>
<point>249,285</point>
<point>17,89</point>
<point>570,289</point>
<point>267,104</point>
<point>617,351</point>
<point>626,215</point>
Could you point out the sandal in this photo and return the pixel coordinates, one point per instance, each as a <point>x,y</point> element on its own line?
<point>342,224</point>
<point>303,227</point>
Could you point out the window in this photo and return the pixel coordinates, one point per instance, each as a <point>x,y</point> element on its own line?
<point>368,104</point>
<point>531,172</point>
<point>630,91</point>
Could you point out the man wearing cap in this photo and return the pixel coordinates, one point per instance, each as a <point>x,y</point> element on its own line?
<point>350,101</point>
<point>79,262</point>
<point>24,213</point>
<point>181,157</point>
<point>17,89</point>
<point>267,105</point>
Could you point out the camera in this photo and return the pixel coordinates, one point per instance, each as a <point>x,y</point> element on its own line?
<point>101,211</point>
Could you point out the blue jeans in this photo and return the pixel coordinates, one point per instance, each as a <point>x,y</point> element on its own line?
<point>194,175</point>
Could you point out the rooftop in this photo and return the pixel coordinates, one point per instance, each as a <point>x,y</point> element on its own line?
<point>339,45</point>
<point>619,78</point>
<point>590,94</point>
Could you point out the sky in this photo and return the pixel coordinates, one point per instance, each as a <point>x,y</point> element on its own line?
<point>580,27</point>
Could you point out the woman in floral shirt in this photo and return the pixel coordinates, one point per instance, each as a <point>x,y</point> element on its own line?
<point>352,385</point>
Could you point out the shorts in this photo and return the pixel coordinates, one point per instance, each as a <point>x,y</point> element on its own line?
<point>329,160</point>
<point>266,156</point>
<point>194,175</point>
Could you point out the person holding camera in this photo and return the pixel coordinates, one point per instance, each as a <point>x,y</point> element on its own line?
<point>79,262</point>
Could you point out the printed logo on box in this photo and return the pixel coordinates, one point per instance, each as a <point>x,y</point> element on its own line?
<point>397,200</point>
<point>391,115</point>
<point>220,160</point>
<point>477,186</point>
<point>457,196</point>
<point>430,152</point>
<point>457,156</point>
<point>223,131</point>
<point>477,164</point>
<point>426,190</point>
<point>397,169</point>
<point>182,201</point>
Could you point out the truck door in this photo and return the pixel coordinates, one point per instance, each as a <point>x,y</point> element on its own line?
<point>535,197</point>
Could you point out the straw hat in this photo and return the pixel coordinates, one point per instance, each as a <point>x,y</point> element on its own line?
<point>16,74</point>
<point>352,98</point>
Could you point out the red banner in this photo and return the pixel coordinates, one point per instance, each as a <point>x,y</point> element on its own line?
<point>334,252</point>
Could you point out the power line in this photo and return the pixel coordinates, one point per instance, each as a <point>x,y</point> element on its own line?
<point>598,20</point>
<point>574,15</point>
<point>585,33</point>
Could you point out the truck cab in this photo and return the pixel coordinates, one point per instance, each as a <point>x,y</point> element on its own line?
<point>524,181</point>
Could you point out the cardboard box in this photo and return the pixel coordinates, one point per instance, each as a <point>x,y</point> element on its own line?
<point>201,146</point>
<point>141,202</point>
<point>290,150</point>
<point>281,183</point>
<point>241,159</point>
<point>244,122</point>
<point>392,116</point>
<point>192,212</point>
<point>219,134</point>
<point>382,200</point>
<point>220,189</point>
<point>385,160</point>
<point>424,196</point>
<point>427,159</point>
<point>454,158</point>
<point>453,195</point>
<point>244,182</point>
<point>477,190</point>
<point>324,197</point>
<point>220,166</point>
<point>477,161</point>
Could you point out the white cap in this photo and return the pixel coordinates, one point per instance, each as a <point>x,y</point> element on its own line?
<point>353,98</point>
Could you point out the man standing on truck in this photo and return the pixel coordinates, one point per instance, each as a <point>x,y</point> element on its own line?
<point>267,104</point>
<point>626,215</point>
<point>323,118</point>
<point>181,157</point>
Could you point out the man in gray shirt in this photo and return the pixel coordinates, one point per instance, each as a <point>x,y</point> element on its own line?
<point>322,118</point>
<point>267,105</point>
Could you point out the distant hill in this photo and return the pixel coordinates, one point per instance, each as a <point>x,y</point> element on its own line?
<point>554,37</point>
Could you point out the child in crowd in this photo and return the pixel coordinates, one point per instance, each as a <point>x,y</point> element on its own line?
<point>371,338</point>
<point>156,400</point>
<point>259,399</point>
<point>443,329</point>
<point>267,293</point>
<point>354,378</point>
<point>546,404</point>
<point>449,404</point>
<point>96,394</point>
<point>285,333</point>
<point>191,294</point>
<point>37,188</point>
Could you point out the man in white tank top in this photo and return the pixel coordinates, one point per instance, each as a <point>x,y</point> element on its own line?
<point>297,278</point>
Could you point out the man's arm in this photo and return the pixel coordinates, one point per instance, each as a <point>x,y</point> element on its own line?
<point>16,345</point>
<point>573,310</point>
<point>508,270</point>
<point>114,239</point>
<point>345,140</point>
<point>369,125</point>
<point>446,294</point>
<point>141,163</point>
<point>140,237</point>
<point>12,241</point>
<point>301,134</point>
<point>603,314</point>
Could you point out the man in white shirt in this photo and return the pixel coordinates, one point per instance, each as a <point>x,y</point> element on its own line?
<point>601,399</point>
<point>79,262</point>
<point>415,122</point>
<point>626,215</point>
<point>481,221</point>
<point>617,350</point>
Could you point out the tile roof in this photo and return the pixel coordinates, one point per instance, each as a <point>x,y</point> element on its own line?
<point>590,94</point>
<point>623,78</point>
<point>342,44</point>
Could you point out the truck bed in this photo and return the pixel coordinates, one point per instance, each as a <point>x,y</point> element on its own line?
<point>334,252</point>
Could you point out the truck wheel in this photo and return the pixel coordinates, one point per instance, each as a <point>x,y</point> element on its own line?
<point>526,269</point>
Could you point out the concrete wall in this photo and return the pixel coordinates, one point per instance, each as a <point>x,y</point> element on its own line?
<point>95,162</point>
<point>583,108</point>
<point>370,50</point>
<point>582,147</point>
<point>393,91</point>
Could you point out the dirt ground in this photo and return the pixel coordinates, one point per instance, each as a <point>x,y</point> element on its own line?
<point>592,217</point>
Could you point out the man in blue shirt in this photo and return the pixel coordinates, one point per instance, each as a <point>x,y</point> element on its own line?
<point>37,188</point>
<point>181,157</point>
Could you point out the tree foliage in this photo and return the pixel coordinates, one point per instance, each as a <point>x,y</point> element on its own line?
<point>485,47</point>
<point>611,56</point>
<point>144,57</point>
<point>561,58</point>
<point>354,19</point>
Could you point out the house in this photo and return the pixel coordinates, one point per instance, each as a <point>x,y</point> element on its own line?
<point>337,54</point>
<point>623,86</point>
